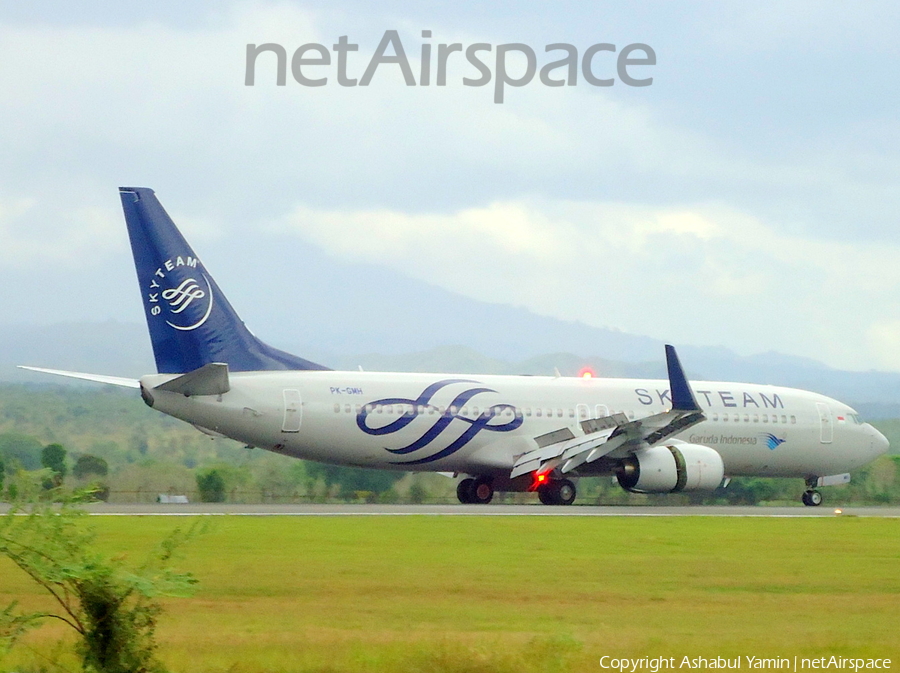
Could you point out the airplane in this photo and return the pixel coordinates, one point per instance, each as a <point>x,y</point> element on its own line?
<point>491,433</point>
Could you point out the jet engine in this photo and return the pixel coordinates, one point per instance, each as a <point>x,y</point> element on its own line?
<point>671,468</point>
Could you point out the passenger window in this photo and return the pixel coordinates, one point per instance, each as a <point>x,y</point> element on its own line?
<point>571,413</point>
<point>756,418</point>
<point>746,418</point>
<point>347,409</point>
<point>784,419</point>
<point>453,410</point>
<point>765,418</point>
<point>793,420</point>
<point>337,408</point>
<point>715,417</point>
<point>774,418</point>
<point>528,411</point>
<point>725,418</point>
<point>559,413</point>
<point>537,412</point>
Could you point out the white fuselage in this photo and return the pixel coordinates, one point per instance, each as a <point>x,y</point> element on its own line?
<point>479,424</point>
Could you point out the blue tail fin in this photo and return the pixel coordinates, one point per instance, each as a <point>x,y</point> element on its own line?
<point>191,322</point>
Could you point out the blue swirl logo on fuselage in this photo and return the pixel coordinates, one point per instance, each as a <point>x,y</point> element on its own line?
<point>771,440</point>
<point>451,413</point>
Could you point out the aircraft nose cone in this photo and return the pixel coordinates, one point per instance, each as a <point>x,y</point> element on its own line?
<point>879,442</point>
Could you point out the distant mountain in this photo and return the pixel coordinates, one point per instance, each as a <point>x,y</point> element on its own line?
<point>124,350</point>
<point>119,349</point>
<point>346,314</point>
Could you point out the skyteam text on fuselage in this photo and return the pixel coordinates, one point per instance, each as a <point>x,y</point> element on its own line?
<point>494,433</point>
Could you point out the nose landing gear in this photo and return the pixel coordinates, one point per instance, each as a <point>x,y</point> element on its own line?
<point>812,498</point>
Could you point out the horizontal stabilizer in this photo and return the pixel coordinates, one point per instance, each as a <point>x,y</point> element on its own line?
<point>96,378</point>
<point>211,379</point>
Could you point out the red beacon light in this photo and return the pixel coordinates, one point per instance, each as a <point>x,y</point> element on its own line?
<point>586,373</point>
<point>539,480</point>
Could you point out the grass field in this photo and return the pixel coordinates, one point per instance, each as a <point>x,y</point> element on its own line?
<point>482,594</point>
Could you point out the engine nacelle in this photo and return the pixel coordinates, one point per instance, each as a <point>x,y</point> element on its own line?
<point>672,468</point>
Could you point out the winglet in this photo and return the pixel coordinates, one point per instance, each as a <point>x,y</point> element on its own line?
<point>682,396</point>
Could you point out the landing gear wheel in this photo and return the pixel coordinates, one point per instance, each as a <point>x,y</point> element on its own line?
<point>565,492</point>
<point>482,491</point>
<point>465,491</point>
<point>545,494</point>
<point>812,498</point>
<point>557,492</point>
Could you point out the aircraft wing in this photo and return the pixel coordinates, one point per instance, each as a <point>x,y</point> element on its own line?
<point>97,378</point>
<point>568,448</point>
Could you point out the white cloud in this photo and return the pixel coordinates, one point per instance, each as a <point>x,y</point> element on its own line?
<point>70,237</point>
<point>609,206</point>
<point>705,274</point>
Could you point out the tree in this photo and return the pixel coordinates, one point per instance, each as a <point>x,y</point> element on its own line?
<point>53,457</point>
<point>353,479</point>
<point>21,450</point>
<point>113,608</point>
<point>211,486</point>
<point>2,475</point>
<point>88,464</point>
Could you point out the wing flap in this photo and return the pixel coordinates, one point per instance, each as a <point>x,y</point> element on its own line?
<point>565,442</point>
<point>569,448</point>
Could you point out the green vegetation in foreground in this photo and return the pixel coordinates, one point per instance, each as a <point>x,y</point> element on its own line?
<point>484,594</point>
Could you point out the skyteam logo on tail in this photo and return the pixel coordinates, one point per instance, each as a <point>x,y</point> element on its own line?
<point>771,440</point>
<point>180,293</point>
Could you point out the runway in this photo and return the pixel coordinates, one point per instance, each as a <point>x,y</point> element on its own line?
<point>207,509</point>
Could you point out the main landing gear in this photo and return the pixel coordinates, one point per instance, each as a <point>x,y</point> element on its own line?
<point>478,491</point>
<point>812,498</point>
<point>557,492</point>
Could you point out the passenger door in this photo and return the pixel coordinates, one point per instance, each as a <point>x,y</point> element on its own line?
<point>825,423</point>
<point>293,411</point>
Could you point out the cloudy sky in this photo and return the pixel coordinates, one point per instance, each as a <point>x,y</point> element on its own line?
<point>748,198</point>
